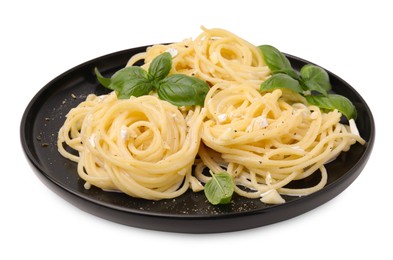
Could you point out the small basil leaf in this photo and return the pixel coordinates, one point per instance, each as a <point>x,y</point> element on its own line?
<point>124,75</point>
<point>135,87</point>
<point>219,189</point>
<point>276,61</point>
<point>160,66</point>
<point>104,81</point>
<point>289,72</point>
<point>183,90</point>
<point>130,81</point>
<point>281,81</point>
<point>315,78</point>
<point>334,101</point>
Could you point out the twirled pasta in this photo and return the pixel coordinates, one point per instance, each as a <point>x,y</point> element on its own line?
<point>143,146</point>
<point>215,56</point>
<point>148,148</point>
<point>264,142</point>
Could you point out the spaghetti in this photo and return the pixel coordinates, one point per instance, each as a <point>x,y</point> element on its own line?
<point>215,56</point>
<point>139,146</point>
<point>148,148</point>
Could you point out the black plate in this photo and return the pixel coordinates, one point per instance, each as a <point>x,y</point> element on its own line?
<point>190,212</point>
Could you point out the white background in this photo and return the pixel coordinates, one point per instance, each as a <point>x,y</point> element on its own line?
<point>42,39</point>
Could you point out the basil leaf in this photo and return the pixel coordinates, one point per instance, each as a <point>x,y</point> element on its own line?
<point>334,101</point>
<point>130,81</point>
<point>160,66</point>
<point>281,81</point>
<point>135,87</point>
<point>276,61</point>
<point>183,90</point>
<point>311,78</point>
<point>124,75</point>
<point>219,189</point>
<point>315,78</point>
<point>104,81</point>
<point>289,72</point>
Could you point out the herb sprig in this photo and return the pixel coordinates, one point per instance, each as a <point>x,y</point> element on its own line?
<point>312,82</point>
<point>178,89</point>
<point>219,189</point>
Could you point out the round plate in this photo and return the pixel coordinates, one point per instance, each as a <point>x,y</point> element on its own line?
<point>191,212</point>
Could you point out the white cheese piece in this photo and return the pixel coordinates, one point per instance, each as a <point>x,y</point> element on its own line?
<point>268,179</point>
<point>272,197</point>
<point>87,185</point>
<point>257,124</point>
<point>222,118</point>
<point>172,51</point>
<point>196,185</point>
<point>123,132</point>
<point>263,122</point>
<point>92,140</point>
<point>353,127</point>
<point>214,58</point>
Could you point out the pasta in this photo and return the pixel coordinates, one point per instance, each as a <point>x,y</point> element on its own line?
<point>139,146</point>
<point>265,142</point>
<point>215,56</point>
<point>151,149</point>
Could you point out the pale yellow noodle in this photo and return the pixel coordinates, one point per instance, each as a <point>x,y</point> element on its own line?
<point>148,148</point>
<point>215,56</point>
<point>268,142</point>
<point>142,146</point>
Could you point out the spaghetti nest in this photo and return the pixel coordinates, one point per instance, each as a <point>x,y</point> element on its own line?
<point>148,148</point>
<point>265,142</point>
<point>143,146</point>
<point>215,56</point>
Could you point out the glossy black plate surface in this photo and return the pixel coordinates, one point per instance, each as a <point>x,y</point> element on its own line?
<point>190,213</point>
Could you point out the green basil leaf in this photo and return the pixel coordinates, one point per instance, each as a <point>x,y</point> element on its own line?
<point>183,90</point>
<point>124,75</point>
<point>281,81</point>
<point>219,189</point>
<point>104,81</point>
<point>334,101</point>
<point>160,66</point>
<point>130,81</point>
<point>135,87</point>
<point>315,79</point>
<point>289,72</point>
<point>276,61</point>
